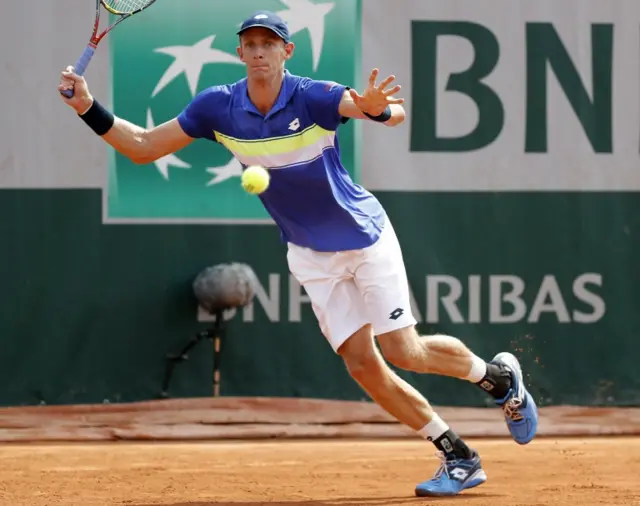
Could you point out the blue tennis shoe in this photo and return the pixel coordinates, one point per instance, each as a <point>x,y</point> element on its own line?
<point>454,475</point>
<point>520,410</point>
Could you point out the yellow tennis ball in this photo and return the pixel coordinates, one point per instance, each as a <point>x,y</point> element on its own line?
<point>255,179</point>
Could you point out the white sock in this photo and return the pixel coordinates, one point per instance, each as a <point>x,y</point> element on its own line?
<point>478,370</point>
<point>434,429</point>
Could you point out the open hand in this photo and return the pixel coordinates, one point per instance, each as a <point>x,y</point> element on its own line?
<point>375,99</point>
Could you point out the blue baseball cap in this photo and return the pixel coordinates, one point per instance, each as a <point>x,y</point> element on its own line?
<point>268,20</point>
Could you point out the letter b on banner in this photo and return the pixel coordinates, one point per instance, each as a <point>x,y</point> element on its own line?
<point>425,36</point>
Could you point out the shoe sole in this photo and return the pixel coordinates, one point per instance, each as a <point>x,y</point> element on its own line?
<point>477,478</point>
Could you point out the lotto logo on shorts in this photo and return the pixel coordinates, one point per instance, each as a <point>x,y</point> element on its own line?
<point>396,313</point>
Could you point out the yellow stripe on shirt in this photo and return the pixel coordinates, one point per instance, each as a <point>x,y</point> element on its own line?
<point>276,145</point>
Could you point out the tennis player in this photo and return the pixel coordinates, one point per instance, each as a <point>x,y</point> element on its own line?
<point>341,244</point>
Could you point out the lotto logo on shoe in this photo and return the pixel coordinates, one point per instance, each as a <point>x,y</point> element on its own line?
<point>459,474</point>
<point>396,313</point>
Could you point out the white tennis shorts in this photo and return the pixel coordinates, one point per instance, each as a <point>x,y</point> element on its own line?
<point>349,289</point>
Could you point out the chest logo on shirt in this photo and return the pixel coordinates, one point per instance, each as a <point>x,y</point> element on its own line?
<point>294,125</point>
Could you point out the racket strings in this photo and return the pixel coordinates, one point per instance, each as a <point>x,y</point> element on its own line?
<point>126,6</point>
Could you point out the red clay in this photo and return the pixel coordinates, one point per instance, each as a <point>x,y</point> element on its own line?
<point>567,472</point>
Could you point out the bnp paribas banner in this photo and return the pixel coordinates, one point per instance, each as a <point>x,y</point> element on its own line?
<point>162,59</point>
<point>535,95</point>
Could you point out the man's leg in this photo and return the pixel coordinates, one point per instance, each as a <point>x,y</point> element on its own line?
<point>367,367</point>
<point>461,467</point>
<point>382,280</point>
<point>442,355</point>
<point>343,318</point>
<point>447,356</point>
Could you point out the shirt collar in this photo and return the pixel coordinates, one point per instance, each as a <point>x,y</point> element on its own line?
<point>286,92</point>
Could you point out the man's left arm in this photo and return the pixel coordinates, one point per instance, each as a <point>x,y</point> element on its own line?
<point>376,103</point>
<point>349,109</point>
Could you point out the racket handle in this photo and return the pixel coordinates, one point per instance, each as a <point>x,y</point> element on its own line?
<point>81,66</point>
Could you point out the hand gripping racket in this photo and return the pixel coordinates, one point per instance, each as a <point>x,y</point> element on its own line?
<point>123,9</point>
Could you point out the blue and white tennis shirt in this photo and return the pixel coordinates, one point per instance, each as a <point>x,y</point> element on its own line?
<point>311,196</point>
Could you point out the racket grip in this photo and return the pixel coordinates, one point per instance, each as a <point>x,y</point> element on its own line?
<point>81,66</point>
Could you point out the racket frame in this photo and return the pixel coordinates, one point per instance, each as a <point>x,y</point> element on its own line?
<point>84,60</point>
<point>95,38</point>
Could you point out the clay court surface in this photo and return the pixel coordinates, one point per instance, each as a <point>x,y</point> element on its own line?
<point>581,472</point>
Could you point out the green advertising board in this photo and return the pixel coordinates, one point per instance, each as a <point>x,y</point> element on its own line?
<point>163,59</point>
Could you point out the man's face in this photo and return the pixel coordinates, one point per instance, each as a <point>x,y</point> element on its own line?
<point>263,52</point>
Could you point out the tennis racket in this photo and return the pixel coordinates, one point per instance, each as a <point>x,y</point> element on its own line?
<point>123,9</point>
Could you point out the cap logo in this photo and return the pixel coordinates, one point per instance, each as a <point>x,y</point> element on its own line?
<point>261,16</point>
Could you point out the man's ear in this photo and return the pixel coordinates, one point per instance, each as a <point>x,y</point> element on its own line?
<point>289,48</point>
<point>240,53</point>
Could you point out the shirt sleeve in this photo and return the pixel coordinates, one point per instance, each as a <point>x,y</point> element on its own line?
<point>199,118</point>
<point>323,101</point>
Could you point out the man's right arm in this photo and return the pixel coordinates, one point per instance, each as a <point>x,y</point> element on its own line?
<point>141,145</point>
<point>146,146</point>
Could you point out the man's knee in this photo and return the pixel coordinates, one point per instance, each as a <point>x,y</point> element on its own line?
<point>361,357</point>
<point>399,347</point>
